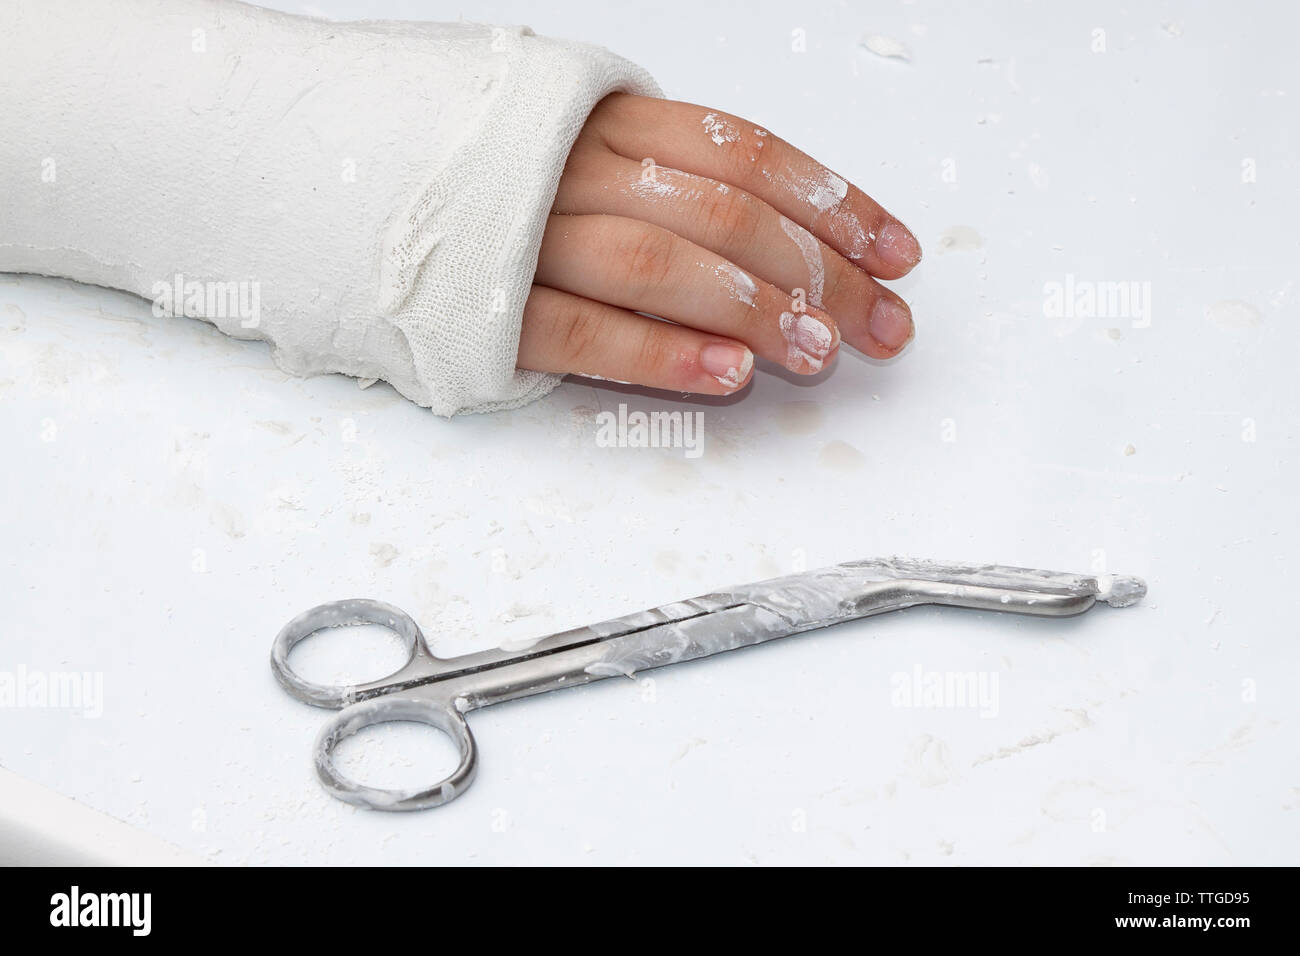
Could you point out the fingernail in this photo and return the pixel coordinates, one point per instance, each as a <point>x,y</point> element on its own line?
<point>890,324</point>
<point>897,246</point>
<point>729,364</point>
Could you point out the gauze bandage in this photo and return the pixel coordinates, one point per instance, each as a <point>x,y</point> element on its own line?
<point>367,197</point>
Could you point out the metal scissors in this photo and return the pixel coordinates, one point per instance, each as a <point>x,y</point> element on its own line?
<point>440,691</point>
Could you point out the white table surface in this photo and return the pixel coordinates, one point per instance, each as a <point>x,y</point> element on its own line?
<point>137,450</point>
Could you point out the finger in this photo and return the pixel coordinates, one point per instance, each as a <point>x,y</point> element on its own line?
<point>646,268</point>
<point>734,151</point>
<point>571,335</point>
<point>742,229</point>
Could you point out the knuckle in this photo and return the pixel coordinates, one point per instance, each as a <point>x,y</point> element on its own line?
<point>647,256</point>
<point>658,350</point>
<point>729,216</point>
<point>582,334</point>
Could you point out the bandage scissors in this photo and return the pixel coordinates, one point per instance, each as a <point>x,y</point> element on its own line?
<point>440,691</point>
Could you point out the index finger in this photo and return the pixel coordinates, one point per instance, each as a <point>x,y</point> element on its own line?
<point>733,150</point>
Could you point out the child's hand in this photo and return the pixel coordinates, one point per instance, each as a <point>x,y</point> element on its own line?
<point>690,214</point>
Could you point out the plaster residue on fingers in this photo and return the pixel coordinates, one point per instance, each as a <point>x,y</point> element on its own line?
<point>738,283</point>
<point>654,188</point>
<point>826,194</point>
<point>807,340</point>
<point>602,378</point>
<point>853,238</point>
<point>720,130</point>
<point>666,183</point>
<point>884,46</point>
<point>826,191</point>
<point>960,239</point>
<point>735,376</point>
<point>812,257</point>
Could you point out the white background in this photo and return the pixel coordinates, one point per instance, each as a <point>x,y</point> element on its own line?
<point>1164,733</point>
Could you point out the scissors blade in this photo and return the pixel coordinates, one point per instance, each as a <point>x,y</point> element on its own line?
<point>759,612</point>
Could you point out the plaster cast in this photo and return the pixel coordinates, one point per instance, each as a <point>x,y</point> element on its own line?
<point>366,197</point>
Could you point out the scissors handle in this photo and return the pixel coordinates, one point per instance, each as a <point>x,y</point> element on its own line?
<point>420,664</point>
<point>399,696</point>
<point>411,706</point>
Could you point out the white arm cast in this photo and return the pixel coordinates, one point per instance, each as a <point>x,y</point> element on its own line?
<point>368,197</point>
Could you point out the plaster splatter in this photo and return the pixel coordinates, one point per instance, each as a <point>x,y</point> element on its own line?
<point>668,184</point>
<point>383,553</point>
<point>720,130</point>
<point>827,193</point>
<point>808,340</point>
<point>812,257</point>
<point>602,378</point>
<point>739,284</point>
<point>847,230</point>
<point>840,456</point>
<point>884,46</point>
<point>735,376</point>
